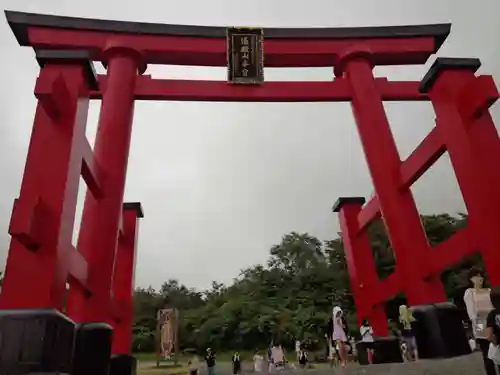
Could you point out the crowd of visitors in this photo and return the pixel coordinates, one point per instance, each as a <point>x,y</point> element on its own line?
<point>482,305</point>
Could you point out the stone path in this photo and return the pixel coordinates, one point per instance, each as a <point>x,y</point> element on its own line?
<point>465,365</point>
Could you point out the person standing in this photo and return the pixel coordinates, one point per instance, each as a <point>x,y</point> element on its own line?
<point>297,349</point>
<point>366,331</point>
<point>236,360</point>
<point>270,358</point>
<point>278,357</point>
<point>339,335</point>
<point>193,365</point>
<point>302,357</point>
<point>257,362</point>
<point>478,304</point>
<point>210,360</point>
<point>405,320</point>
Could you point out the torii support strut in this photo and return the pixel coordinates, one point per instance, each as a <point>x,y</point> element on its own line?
<point>465,129</point>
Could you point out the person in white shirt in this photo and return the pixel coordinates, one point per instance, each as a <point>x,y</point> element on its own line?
<point>366,331</point>
<point>258,360</point>
<point>194,365</point>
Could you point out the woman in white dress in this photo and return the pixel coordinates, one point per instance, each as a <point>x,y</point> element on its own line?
<point>478,303</point>
<point>258,360</point>
<point>339,335</point>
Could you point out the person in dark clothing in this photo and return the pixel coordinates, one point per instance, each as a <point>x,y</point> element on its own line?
<point>493,322</point>
<point>236,363</point>
<point>405,321</point>
<point>210,360</point>
<point>303,357</point>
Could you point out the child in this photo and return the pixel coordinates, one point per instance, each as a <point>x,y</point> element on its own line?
<point>194,365</point>
<point>257,362</point>
<point>236,363</point>
<point>493,331</point>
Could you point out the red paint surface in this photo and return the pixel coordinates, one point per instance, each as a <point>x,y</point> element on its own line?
<point>101,218</point>
<point>41,257</point>
<point>123,283</point>
<point>175,50</point>
<point>463,128</point>
<point>197,90</point>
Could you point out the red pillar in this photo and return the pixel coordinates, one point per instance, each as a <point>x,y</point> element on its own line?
<point>461,103</point>
<point>397,206</point>
<point>101,217</point>
<point>361,266</point>
<point>41,227</point>
<point>123,278</point>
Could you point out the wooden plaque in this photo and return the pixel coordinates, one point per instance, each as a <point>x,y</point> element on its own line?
<point>245,56</point>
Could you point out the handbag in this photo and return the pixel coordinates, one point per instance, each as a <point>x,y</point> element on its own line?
<point>494,353</point>
<point>479,326</point>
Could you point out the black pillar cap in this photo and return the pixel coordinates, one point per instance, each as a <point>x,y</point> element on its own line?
<point>343,200</point>
<point>446,63</point>
<point>73,58</point>
<point>136,206</point>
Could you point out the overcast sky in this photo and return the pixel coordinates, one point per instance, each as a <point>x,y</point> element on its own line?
<point>220,183</point>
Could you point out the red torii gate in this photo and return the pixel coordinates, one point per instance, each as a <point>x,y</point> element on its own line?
<point>100,271</point>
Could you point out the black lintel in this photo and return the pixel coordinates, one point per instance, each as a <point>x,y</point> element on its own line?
<point>20,22</point>
<point>446,63</point>
<point>70,57</point>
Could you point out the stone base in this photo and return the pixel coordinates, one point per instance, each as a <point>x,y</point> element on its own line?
<point>439,331</point>
<point>387,350</point>
<point>123,364</point>
<point>362,351</point>
<point>92,349</point>
<point>37,340</point>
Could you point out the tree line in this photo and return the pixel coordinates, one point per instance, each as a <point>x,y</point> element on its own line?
<point>288,298</point>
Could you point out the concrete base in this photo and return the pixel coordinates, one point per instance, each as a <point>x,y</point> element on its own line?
<point>92,349</point>
<point>362,353</point>
<point>38,340</point>
<point>123,364</point>
<point>439,331</point>
<point>387,350</point>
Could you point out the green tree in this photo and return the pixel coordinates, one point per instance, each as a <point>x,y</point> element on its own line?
<point>288,298</point>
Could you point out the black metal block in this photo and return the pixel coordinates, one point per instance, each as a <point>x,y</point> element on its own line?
<point>92,349</point>
<point>439,331</point>
<point>362,351</point>
<point>123,364</point>
<point>35,340</point>
<point>387,350</point>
